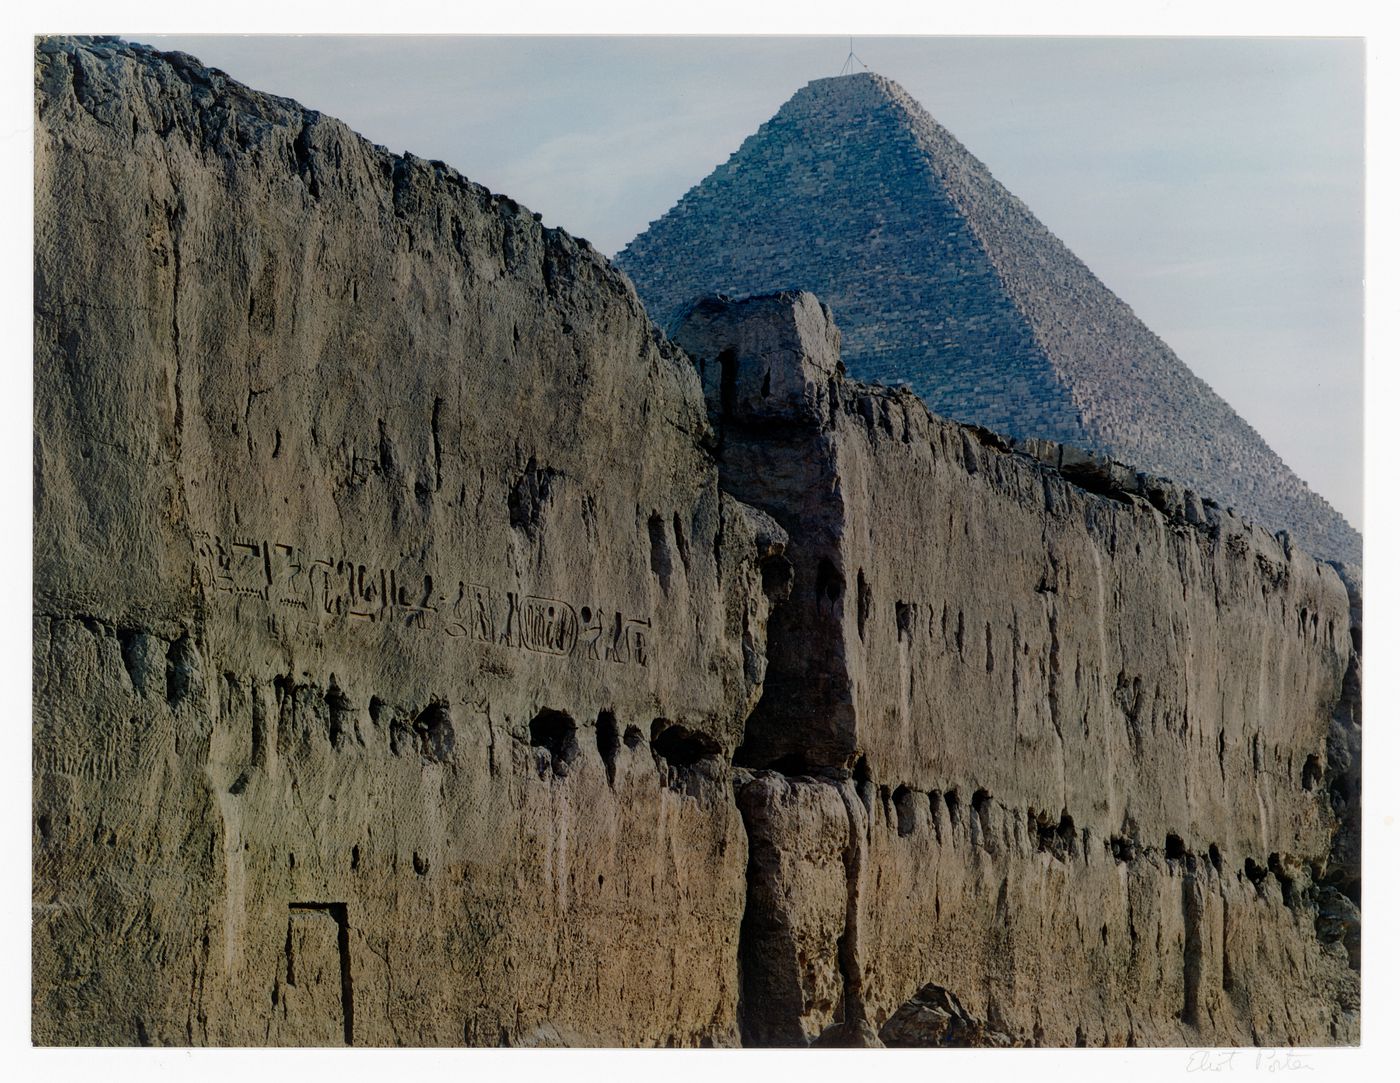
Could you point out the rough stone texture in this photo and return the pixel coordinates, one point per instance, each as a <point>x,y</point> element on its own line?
<point>935,1017</point>
<point>1340,896</point>
<point>425,652</point>
<point>1067,741</point>
<point>944,281</point>
<point>392,635</point>
<point>796,910</point>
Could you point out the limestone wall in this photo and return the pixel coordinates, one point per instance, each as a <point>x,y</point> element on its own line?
<point>1077,718</point>
<point>391,632</point>
<point>428,652</point>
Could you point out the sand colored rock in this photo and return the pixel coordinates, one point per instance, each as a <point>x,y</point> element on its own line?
<point>428,652</point>
<point>392,634</point>
<point>1078,739</point>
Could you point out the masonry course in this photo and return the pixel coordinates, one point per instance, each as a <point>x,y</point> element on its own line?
<point>427,651</point>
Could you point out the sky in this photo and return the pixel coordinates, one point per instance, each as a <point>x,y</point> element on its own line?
<point>1215,184</point>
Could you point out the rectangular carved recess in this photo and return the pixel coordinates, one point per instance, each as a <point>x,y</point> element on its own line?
<point>337,913</point>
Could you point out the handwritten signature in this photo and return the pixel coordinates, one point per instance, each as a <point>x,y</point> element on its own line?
<point>1233,1060</point>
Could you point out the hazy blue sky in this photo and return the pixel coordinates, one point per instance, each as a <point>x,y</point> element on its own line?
<point>1216,185</point>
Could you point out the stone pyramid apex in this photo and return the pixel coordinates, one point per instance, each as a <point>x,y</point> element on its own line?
<point>852,82</point>
<point>859,89</point>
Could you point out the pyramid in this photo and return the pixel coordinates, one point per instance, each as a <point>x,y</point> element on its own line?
<point>942,280</point>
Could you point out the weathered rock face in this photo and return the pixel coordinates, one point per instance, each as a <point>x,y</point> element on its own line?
<point>392,635</point>
<point>425,653</point>
<point>1071,745</point>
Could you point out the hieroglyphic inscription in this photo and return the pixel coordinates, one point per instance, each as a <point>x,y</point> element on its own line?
<point>316,592</point>
<point>619,640</point>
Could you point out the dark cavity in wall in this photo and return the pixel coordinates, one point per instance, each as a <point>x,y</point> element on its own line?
<point>528,497</point>
<point>1054,837</point>
<point>181,671</point>
<point>904,621</point>
<point>981,805</point>
<point>554,733</point>
<point>904,810</point>
<point>1123,848</point>
<point>679,746</point>
<point>954,802</point>
<point>830,582</point>
<point>684,756</point>
<point>340,711</point>
<point>682,542</point>
<point>728,378</point>
<point>133,648</point>
<point>660,551</point>
<point>430,734</point>
<point>609,742</point>
<point>777,573</point>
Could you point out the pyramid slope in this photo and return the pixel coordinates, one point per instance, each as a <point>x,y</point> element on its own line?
<point>943,280</point>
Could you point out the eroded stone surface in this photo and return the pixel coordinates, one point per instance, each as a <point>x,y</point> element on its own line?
<point>397,634</point>
<point>392,634</point>
<point>1080,719</point>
